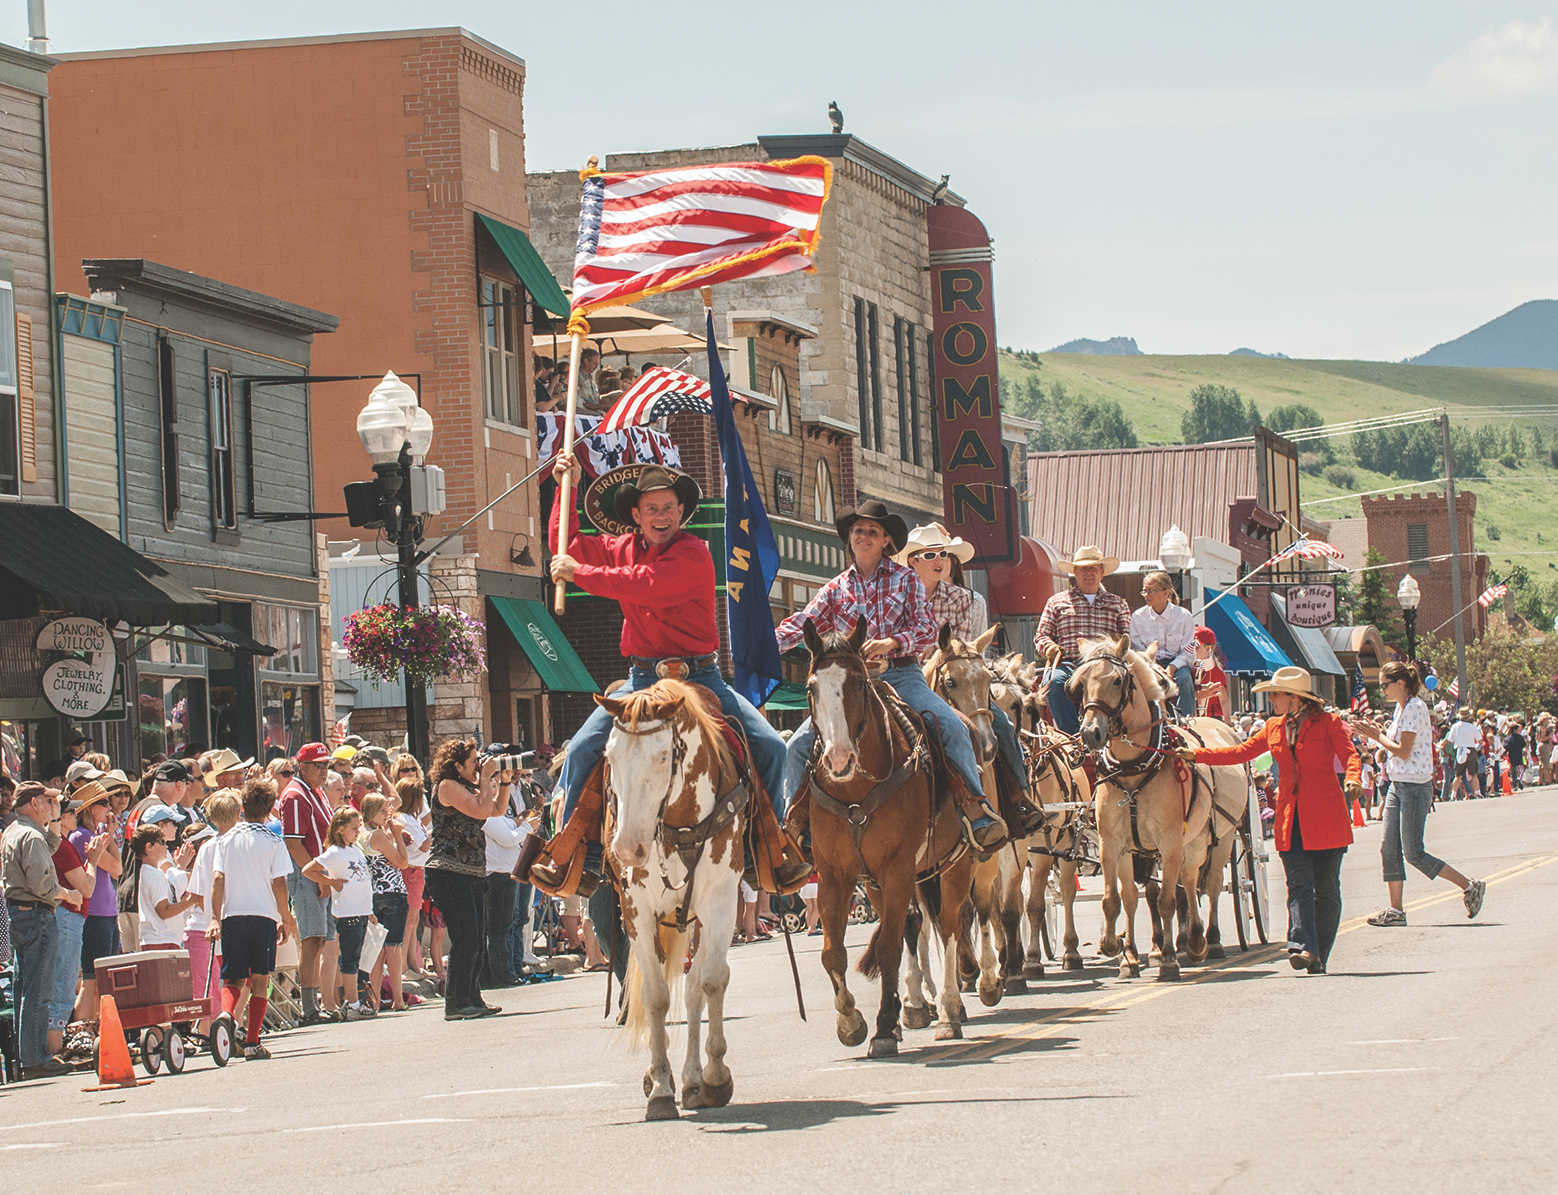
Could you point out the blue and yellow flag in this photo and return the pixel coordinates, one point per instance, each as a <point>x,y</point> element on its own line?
<point>751,553</point>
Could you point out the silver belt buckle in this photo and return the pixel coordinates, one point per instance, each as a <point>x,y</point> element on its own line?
<point>674,668</point>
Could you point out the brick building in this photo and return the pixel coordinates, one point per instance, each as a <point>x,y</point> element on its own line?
<point>1416,528</point>
<point>377,176</point>
<point>868,367</point>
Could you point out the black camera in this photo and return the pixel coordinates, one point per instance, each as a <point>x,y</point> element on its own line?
<point>508,763</point>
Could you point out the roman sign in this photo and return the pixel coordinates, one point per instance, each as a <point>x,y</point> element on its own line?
<point>1311,605</point>
<point>977,496</point>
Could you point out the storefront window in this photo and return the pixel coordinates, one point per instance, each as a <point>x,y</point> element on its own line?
<point>289,680</point>
<point>165,651</point>
<point>172,715</point>
<point>289,718</point>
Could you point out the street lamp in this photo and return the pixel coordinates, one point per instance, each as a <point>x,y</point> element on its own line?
<point>394,429</point>
<point>1174,556</point>
<point>1409,595</point>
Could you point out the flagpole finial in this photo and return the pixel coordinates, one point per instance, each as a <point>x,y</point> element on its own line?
<point>591,169</point>
<point>708,297</point>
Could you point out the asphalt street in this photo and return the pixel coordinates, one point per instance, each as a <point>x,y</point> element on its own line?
<point>1424,1062</point>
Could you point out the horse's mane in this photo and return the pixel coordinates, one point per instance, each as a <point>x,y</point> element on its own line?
<point>836,643</point>
<point>1147,678</point>
<point>649,705</point>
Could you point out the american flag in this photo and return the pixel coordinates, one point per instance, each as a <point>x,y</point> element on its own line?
<point>658,393</point>
<point>340,730</point>
<point>647,232</point>
<point>1360,699</point>
<point>1455,689</point>
<point>1307,549</point>
<point>1492,594</point>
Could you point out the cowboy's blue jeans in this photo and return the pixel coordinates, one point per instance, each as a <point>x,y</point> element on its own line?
<point>909,683</point>
<point>589,741</point>
<point>1006,741</point>
<point>1061,708</point>
<point>1186,680</point>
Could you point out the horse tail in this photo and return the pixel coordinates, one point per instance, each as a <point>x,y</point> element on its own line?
<point>930,899</point>
<point>674,947</point>
<point>870,964</point>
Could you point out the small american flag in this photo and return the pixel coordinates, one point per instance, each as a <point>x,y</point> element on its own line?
<point>1308,549</point>
<point>648,232</point>
<point>1454,689</point>
<point>340,730</point>
<point>658,393</point>
<point>1360,698</point>
<point>1492,594</point>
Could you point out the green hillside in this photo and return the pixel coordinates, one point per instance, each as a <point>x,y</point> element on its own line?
<point>1154,391</point>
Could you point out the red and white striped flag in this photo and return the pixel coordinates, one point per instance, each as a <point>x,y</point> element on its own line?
<point>1492,594</point>
<point>658,393</point>
<point>1454,689</point>
<point>647,232</point>
<point>1308,549</point>
<point>340,730</point>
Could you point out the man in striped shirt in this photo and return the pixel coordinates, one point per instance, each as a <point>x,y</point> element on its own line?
<point>891,598</point>
<point>1086,611</point>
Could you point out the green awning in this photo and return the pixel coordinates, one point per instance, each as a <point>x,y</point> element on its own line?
<point>559,666</point>
<point>788,696</point>
<point>528,265</point>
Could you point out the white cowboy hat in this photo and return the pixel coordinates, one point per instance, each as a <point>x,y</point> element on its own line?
<point>1290,680</point>
<point>1087,554</point>
<point>223,760</point>
<point>933,535</point>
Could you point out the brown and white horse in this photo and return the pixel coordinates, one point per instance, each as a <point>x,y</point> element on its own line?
<point>1146,801</point>
<point>878,814</point>
<point>675,830</point>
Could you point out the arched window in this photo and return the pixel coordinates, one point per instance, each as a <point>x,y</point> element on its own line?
<point>822,499</point>
<point>779,391</point>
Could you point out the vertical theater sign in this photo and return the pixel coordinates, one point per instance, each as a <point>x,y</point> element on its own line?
<point>978,499</point>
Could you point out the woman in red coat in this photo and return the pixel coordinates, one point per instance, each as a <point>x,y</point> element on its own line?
<point>1313,827</point>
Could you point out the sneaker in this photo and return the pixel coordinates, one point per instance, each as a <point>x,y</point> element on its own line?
<point>49,1068</point>
<point>467,1013</point>
<point>255,1053</point>
<point>1473,897</point>
<point>355,1012</point>
<point>1388,917</point>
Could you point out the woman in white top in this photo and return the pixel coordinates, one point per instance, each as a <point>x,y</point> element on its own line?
<point>161,901</point>
<point>505,835</point>
<point>1411,770</point>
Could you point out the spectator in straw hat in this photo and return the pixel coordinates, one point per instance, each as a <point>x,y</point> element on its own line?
<point>1085,611</point>
<point>223,769</point>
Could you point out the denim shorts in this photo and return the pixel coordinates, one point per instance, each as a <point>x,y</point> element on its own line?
<point>392,908</point>
<point>315,920</point>
<point>352,931</point>
<point>248,947</point>
<point>99,939</point>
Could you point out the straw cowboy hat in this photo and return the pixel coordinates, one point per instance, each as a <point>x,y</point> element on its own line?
<point>1291,680</point>
<point>1088,554</point>
<point>931,536</point>
<point>224,759</point>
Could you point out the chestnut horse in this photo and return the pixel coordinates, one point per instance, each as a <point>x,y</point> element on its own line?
<point>878,813</point>
<point>675,824</point>
<point>1146,801</point>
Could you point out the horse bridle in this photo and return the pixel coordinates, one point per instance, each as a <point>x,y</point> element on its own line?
<point>983,712</point>
<point>1115,713</point>
<point>871,695</point>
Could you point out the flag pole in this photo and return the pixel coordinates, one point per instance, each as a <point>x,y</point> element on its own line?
<point>578,329</point>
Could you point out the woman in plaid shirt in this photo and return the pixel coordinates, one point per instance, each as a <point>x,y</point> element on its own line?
<point>891,598</point>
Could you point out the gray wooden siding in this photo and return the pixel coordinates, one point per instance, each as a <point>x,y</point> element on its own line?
<point>355,584</point>
<point>92,431</point>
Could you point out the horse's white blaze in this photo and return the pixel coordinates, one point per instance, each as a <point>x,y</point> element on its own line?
<point>831,722</point>
<point>641,778</point>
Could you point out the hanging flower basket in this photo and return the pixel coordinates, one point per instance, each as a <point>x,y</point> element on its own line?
<point>428,642</point>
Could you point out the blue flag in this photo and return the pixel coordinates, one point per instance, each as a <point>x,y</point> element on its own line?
<point>751,553</point>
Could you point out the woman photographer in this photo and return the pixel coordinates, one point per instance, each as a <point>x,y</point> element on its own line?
<point>465,795</point>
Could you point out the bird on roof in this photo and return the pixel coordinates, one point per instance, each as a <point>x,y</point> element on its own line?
<point>939,195</point>
<point>836,115</point>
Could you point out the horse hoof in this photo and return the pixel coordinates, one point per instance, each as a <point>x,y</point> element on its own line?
<point>966,986</point>
<point>1168,973</point>
<point>916,1018</point>
<point>692,1097</point>
<point>1215,951</point>
<point>1033,970</point>
<point>882,1047</point>
<point>1016,985</point>
<point>952,1032</point>
<point>990,996</point>
<point>852,1031</point>
<point>1072,963</point>
<point>649,1084</point>
<point>716,1095</point>
<point>662,1107</point>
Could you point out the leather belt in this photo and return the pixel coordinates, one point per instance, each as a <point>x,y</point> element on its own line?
<point>675,667</point>
<point>902,662</point>
<point>26,904</point>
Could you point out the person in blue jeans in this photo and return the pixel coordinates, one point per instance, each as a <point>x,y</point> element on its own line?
<point>79,876</point>
<point>32,892</point>
<point>1085,611</point>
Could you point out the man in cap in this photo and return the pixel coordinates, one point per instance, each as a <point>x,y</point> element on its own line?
<point>1085,611</point>
<point>80,773</point>
<point>76,744</point>
<point>663,578</point>
<point>169,781</point>
<point>305,824</point>
<point>891,598</point>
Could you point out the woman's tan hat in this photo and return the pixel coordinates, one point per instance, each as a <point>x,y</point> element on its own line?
<point>1088,554</point>
<point>933,535</point>
<point>1290,680</point>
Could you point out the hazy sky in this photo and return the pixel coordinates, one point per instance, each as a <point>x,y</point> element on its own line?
<point>1322,179</point>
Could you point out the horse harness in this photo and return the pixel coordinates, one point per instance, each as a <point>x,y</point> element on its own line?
<point>689,842</point>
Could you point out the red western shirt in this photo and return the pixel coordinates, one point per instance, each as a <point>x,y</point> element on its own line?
<point>666,594</point>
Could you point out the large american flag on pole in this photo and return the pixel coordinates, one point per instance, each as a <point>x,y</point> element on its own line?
<point>1492,594</point>
<point>660,392</point>
<point>647,232</point>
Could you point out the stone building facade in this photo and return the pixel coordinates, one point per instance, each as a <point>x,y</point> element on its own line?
<point>1416,528</point>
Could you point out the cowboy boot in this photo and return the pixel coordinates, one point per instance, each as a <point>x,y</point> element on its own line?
<point>1026,816</point>
<point>985,827</point>
<point>797,820</point>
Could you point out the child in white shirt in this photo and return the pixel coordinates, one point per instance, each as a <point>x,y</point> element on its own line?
<point>161,901</point>
<point>343,869</point>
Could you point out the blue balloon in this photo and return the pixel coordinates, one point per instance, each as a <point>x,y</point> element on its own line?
<point>1432,682</point>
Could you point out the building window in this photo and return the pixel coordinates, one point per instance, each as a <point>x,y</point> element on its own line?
<point>289,680</point>
<point>914,393</point>
<point>500,367</point>
<point>876,376</point>
<point>779,391</point>
<point>900,371</point>
<point>862,373</point>
<point>167,391</point>
<point>10,397</point>
<point>1417,548</point>
<point>171,695</point>
<point>822,498</point>
<point>224,496</point>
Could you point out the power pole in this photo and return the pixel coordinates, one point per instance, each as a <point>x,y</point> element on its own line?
<point>1455,562</point>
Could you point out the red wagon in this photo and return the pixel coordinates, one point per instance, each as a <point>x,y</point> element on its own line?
<point>154,992</point>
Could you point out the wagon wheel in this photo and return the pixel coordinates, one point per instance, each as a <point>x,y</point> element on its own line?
<point>1255,867</point>
<point>1049,924</point>
<point>151,1050</point>
<point>1241,896</point>
<point>221,1041</point>
<point>174,1052</point>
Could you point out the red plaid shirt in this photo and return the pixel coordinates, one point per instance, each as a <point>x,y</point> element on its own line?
<point>1068,618</point>
<point>891,600</point>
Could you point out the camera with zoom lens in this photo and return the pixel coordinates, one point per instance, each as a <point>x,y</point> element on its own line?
<point>507,763</point>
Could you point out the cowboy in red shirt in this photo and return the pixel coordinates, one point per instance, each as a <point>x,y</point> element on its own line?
<point>663,578</point>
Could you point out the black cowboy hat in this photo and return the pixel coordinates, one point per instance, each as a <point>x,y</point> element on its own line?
<point>656,477</point>
<point>873,508</point>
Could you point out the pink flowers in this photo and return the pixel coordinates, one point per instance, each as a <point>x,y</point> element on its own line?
<point>428,642</point>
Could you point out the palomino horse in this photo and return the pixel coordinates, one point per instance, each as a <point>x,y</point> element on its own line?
<point>1054,780</point>
<point>679,812</point>
<point>1146,801</point>
<point>878,814</point>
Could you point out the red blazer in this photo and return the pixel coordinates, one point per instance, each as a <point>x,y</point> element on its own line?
<point>1307,785</point>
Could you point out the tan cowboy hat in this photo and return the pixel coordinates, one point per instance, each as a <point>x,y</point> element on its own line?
<point>1087,554</point>
<point>933,535</point>
<point>225,759</point>
<point>1290,680</point>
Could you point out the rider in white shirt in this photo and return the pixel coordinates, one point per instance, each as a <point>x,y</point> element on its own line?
<point>1164,622</point>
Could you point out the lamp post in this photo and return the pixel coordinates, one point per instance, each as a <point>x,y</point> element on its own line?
<point>1409,595</point>
<point>1174,556</point>
<point>394,429</point>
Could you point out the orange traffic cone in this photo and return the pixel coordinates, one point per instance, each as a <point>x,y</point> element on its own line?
<point>1357,815</point>
<point>113,1054</point>
<point>1509,789</point>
